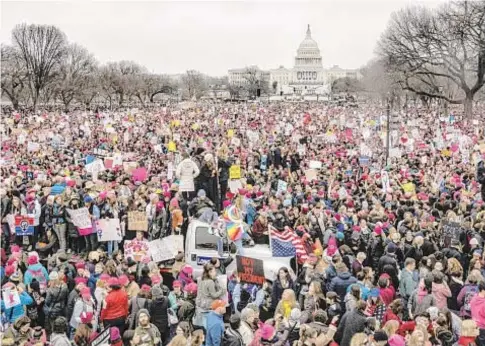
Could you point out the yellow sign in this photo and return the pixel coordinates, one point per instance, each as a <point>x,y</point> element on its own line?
<point>175,123</point>
<point>230,133</point>
<point>172,146</point>
<point>195,126</point>
<point>408,187</point>
<point>235,172</point>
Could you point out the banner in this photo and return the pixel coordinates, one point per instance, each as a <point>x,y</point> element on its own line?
<point>81,219</point>
<point>451,231</point>
<point>315,165</point>
<point>108,230</point>
<point>137,221</point>
<point>11,297</point>
<point>282,186</point>
<point>250,270</point>
<point>103,338</point>
<point>166,248</point>
<point>137,250</point>
<point>24,225</point>
<point>235,172</point>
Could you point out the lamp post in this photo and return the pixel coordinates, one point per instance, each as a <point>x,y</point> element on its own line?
<point>388,115</point>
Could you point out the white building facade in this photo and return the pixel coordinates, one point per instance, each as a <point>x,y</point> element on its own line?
<point>306,78</point>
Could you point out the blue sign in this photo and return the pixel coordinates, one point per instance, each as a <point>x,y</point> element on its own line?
<point>201,260</point>
<point>364,161</point>
<point>24,225</point>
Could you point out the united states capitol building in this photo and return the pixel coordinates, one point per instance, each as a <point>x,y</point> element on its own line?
<point>307,77</point>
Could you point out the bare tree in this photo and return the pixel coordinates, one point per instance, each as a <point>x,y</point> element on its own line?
<point>14,75</point>
<point>194,84</point>
<point>77,64</point>
<point>431,50</point>
<point>42,48</point>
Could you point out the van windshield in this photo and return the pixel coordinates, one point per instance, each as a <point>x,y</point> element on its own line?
<point>204,240</point>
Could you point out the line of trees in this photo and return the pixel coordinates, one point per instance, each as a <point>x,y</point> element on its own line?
<point>41,66</point>
<point>437,53</point>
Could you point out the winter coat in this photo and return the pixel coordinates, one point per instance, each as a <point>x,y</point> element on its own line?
<point>82,306</point>
<point>352,322</point>
<point>407,284</point>
<point>277,291</point>
<point>116,305</point>
<point>420,301</point>
<point>440,293</point>
<point>56,300</point>
<point>455,287</point>
<point>186,172</point>
<point>232,337</point>
<point>159,314</point>
<point>339,285</point>
<point>208,291</point>
<point>246,333</point>
<point>215,329</point>
<point>36,271</point>
<point>465,297</point>
<point>71,301</point>
<point>478,311</point>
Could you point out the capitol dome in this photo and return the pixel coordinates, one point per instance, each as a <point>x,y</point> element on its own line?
<point>308,47</point>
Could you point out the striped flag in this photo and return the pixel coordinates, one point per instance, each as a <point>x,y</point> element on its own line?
<point>287,244</point>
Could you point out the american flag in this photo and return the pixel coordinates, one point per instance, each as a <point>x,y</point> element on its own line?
<point>287,244</point>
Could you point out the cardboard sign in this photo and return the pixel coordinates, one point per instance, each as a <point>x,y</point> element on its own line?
<point>315,165</point>
<point>364,161</point>
<point>166,248</point>
<point>172,147</point>
<point>311,174</point>
<point>282,186</point>
<point>103,338</point>
<point>451,231</point>
<point>24,225</point>
<point>137,221</point>
<point>11,297</point>
<point>81,219</point>
<point>129,167</point>
<point>137,250</point>
<point>235,172</point>
<point>108,230</point>
<point>250,270</point>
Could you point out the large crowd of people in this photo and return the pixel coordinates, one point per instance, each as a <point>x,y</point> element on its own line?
<point>391,239</point>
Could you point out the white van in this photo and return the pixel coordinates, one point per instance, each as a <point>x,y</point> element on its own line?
<point>201,245</point>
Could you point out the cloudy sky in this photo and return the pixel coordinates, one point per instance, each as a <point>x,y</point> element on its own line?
<point>173,36</point>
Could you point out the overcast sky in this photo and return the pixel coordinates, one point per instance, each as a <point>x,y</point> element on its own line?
<point>171,37</point>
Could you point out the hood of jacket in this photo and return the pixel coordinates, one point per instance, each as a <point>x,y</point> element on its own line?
<point>344,276</point>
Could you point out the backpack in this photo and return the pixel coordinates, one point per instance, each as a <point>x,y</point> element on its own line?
<point>232,338</point>
<point>39,276</point>
<point>470,293</point>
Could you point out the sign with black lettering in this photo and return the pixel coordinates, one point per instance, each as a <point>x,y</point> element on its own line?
<point>102,338</point>
<point>451,231</point>
<point>250,270</point>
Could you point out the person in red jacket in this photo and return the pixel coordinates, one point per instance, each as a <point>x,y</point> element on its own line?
<point>115,306</point>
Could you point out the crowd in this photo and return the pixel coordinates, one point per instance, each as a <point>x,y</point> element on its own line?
<point>392,240</point>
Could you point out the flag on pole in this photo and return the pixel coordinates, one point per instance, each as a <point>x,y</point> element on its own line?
<point>287,244</point>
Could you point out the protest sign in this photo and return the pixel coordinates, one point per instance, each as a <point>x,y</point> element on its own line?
<point>250,270</point>
<point>108,162</point>
<point>282,186</point>
<point>24,225</point>
<point>129,167</point>
<point>166,248</point>
<point>235,172</point>
<point>235,185</point>
<point>81,219</point>
<point>451,231</point>
<point>311,174</point>
<point>137,221</point>
<point>103,338</point>
<point>172,147</point>
<point>11,297</point>
<point>32,146</point>
<point>95,167</point>
<point>139,174</point>
<point>364,161</point>
<point>137,250</point>
<point>108,230</point>
<point>315,164</point>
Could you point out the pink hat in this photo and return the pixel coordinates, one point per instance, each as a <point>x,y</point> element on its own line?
<point>267,331</point>
<point>187,269</point>
<point>80,280</point>
<point>124,280</point>
<point>177,283</point>
<point>103,195</point>
<point>113,282</point>
<point>156,279</point>
<point>226,203</point>
<point>32,260</point>
<point>85,292</point>
<point>86,317</point>
<point>104,277</point>
<point>378,230</point>
<point>80,265</point>
<point>191,288</point>
<point>9,270</point>
<point>145,288</point>
<point>114,334</point>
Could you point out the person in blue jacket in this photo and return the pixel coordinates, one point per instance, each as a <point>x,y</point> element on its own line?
<point>215,323</point>
<point>14,313</point>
